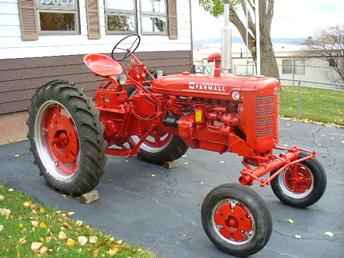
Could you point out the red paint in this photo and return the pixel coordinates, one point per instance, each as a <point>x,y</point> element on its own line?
<point>62,138</point>
<point>298,178</point>
<point>102,65</point>
<point>233,221</point>
<point>247,125</point>
<point>216,58</point>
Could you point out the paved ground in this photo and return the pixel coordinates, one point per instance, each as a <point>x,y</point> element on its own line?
<point>160,209</point>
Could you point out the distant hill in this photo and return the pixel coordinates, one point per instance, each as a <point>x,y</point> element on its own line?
<point>237,40</point>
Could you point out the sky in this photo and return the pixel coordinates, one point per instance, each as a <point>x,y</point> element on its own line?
<point>292,19</point>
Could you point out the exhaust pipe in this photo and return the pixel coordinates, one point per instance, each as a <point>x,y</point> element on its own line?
<point>227,64</point>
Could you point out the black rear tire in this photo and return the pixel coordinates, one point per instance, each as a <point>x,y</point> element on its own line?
<point>253,203</point>
<point>175,149</point>
<point>90,133</point>
<point>319,186</point>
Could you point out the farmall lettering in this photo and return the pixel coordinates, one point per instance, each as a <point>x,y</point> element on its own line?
<point>207,86</point>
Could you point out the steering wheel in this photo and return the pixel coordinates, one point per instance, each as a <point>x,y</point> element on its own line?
<point>126,52</point>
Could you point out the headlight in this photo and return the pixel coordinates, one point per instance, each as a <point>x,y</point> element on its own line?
<point>236,95</point>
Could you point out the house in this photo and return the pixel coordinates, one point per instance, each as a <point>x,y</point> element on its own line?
<point>42,40</point>
<point>297,64</point>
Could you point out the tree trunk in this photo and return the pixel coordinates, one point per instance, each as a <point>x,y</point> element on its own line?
<point>269,66</point>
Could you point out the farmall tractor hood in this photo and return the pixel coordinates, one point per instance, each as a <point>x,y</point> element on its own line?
<point>198,85</point>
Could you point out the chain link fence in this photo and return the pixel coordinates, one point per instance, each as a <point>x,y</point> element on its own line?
<point>291,73</point>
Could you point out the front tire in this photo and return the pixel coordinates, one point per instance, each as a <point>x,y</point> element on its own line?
<point>301,185</point>
<point>66,138</point>
<point>236,220</point>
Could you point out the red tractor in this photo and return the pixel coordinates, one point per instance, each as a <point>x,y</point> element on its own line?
<point>137,113</point>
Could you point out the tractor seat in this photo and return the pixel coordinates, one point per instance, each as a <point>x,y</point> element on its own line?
<point>102,65</point>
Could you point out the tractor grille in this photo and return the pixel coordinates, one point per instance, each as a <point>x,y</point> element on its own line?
<point>264,116</point>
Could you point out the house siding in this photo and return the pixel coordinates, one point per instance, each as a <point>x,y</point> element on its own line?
<point>12,46</point>
<point>19,78</point>
<point>25,65</point>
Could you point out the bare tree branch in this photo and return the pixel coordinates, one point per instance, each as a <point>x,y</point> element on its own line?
<point>251,25</point>
<point>330,45</point>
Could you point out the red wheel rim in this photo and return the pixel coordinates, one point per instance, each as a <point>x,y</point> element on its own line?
<point>298,179</point>
<point>233,222</point>
<point>61,137</point>
<point>157,139</point>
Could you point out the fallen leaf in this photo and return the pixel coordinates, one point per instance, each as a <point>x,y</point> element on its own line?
<point>22,241</point>
<point>71,213</point>
<point>35,246</point>
<point>79,223</point>
<point>291,221</point>
<point>66,225</point>
<point>34,223</point>
<point>43,225</point>
<point>113,251</point>
<point>70,242</point>
<point>298,236</point>
<point>93,239</point>
<point>62,236</point>
<point>5,213</point>
<point>27,204</point>
<point>43,250</point>
<point>329,234</point>
<point>82,240</point>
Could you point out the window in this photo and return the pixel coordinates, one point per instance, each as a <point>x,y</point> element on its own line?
<point>300,66</point>
<point>58,16</point>
<point>154,16</point>
<point>120,16</point>
<point>297,66</point>
<point>287,66</point>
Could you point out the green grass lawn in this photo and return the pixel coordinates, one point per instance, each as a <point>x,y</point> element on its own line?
<point>27,229</point>
<point>319,105</point>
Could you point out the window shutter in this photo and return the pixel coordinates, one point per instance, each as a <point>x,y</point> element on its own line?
<point>93,25</point>
<point>28,20</point>
<point>172,19</point>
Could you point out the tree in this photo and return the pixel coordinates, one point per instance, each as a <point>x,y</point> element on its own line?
<point>269,65</point>
<point>329,43</point>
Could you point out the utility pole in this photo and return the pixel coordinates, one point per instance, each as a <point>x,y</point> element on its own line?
<point>258,52</point>
<point>227,41</point>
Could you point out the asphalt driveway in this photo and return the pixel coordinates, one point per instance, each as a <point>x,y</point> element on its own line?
<point>160,209</point>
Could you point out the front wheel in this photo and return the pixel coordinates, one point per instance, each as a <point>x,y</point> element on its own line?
<point>302,184</point>
<point>66,138</point>
<point>236,220</point>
